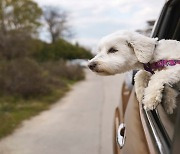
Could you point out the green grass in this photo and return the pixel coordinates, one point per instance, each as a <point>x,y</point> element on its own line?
<point>13,110</point>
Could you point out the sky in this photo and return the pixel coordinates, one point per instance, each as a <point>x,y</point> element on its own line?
<point>90,20</point>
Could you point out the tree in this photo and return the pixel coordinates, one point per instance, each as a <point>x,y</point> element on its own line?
<point>19,21</point>
<point>19,15</point>
<point>56,20</point>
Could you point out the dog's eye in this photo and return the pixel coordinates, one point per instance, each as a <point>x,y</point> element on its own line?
<point>112,50</point>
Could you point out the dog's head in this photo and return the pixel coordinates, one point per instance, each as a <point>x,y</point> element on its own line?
<point>118,53</point>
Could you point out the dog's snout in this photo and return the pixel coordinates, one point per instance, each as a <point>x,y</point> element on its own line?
<point>92,65</point>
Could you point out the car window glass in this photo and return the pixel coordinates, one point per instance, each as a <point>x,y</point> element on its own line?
<point>169,23</point>
<point>168,120</point>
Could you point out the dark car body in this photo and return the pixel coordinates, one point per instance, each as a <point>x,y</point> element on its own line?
<point>137,131</point>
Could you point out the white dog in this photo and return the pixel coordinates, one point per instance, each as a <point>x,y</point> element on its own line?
<point>119,53</point>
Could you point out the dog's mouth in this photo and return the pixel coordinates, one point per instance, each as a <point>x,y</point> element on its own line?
<point>101,72</point>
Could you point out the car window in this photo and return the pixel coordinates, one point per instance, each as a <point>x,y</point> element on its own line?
<point>170,30</point>
<point>169,23</point>
<point>168,120</point>
<point>160,123</point>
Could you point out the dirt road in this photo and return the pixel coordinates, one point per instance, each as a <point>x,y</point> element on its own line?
<point>80,123</point>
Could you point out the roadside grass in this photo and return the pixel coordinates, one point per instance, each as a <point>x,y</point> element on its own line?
<point>13,110</point>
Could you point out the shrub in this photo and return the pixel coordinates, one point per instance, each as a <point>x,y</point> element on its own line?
<point>62,50</point>
<point>15,45</point>
<point>60,69</point>
<point>22,77</point>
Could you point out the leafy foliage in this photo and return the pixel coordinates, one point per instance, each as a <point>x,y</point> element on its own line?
<point>19,15</point>
<point>15,44</point>
<point>63,50</point>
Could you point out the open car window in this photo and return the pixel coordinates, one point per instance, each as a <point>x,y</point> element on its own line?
<point>162,124</point>
<point>168,120</point>
<point>168,24</point>
<point>173,32</point>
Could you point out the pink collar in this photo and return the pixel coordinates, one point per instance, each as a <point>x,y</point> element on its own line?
<point>159,65</point>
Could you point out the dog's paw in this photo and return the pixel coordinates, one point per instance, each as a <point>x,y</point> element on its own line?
<point>152,98</point>
<point>169,105</point>
<point>140,95</point>
<point>151,105</point>
<point>141,81</point>
<point>169,99</point>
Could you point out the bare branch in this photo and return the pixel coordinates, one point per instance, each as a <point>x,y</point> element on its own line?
<point>56,20</point>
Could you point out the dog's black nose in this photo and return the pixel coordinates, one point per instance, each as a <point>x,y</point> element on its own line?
<point>92,65</point>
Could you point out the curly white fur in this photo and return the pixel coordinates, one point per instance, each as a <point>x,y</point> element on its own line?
<point>132,50</point>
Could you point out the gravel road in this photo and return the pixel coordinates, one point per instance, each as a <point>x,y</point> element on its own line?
<point>80,123</point>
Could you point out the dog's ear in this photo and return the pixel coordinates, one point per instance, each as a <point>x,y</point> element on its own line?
<point>143,46</point>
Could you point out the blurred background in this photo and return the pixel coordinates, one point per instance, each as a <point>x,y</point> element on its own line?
<point>44,48</point>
